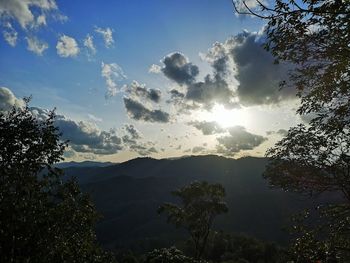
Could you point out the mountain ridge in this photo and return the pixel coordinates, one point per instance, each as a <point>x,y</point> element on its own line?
<point>128,195</point>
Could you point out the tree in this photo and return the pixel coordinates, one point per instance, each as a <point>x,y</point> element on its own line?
<point>169,255</point>
<point>42,218</point>
<point>201,203</point>
<point>314,37</point>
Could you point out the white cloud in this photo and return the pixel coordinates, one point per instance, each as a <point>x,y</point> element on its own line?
<point>10,34</point>
<point>89,44</point>
<point>8,99</point>
<point>107,35</point>
<point>67,47</point>
<point>242,5</point>
<point>94,118</point>
<point>21,11</point>
<point>37,46</point>
<point>112,73</point>
<point>155,69</point>
<point>41,20</point>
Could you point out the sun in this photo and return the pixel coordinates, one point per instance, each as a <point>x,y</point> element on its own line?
<point>226,117</point>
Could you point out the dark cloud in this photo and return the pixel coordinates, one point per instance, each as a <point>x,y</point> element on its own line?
<point>131,140</point>
<point>253,67</point>
<point>243,73</point>
<point>138,111</point>
<point>211,91</point>
<point>140,91</point>
<point>142,149</point>
<point>132,131</point>
<point>179,69</point>
<point>83,136</point>
<point>174,93</point>
<point>206,127</point>
<point>237,140</point>
<point>196,94</point>
<point>8,99</point>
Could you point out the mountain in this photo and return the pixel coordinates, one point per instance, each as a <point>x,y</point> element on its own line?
<point>128,195</point>
<point>82,164</point>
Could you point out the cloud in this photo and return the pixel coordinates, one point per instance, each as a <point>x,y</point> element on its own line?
<point>41,20</point>
<point>8,99</point>
<point>142,149</point>
<point>94,118</point>
<point>36,46</point>
<point>112,73</point>
<point>10,34</point>
<point>140,91</point>
<point>107,35</point>
<point>155,69</point>
<point>213,89</point>
<point>242,5</point>
<point>84,137</point>
<point>22,11</point>
<point>243,73</point>
<point>138,111</point>
<point>237,140</point>
<point>131,139</point>
<point>198,149</point>
<point>69,153</point>
<point>67,47</point>
<point>281,132</point>
<point>179,69</point>
<point>210,92</point>
<point>132,131</point>
<point>206,127</point>
<point>89,44</point>
<point>258,77</point>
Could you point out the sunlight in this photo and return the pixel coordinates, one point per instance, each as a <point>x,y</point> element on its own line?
<point>226,117</point>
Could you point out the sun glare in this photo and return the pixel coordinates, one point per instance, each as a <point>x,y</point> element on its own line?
<point>226,117</point>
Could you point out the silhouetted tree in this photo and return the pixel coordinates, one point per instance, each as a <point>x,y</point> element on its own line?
<point>201,203</point>
<point>169,255</point>
<point>42,218</point>
<point>313,37</point>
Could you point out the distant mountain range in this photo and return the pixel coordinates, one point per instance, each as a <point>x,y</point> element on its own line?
<point>128,195</point>
<point>83,164</point>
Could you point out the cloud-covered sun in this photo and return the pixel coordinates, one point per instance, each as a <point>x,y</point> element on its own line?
<point>226,117</point>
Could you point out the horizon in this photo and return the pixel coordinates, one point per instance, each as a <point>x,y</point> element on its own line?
<point>162,85</point>
<point>166,158</point>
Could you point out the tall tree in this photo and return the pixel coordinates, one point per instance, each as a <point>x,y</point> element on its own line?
<point>201,203</point>
<point>314,37</point>
<point>42,218</point>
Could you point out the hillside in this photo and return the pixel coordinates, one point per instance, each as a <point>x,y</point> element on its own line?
<point>128,195</point>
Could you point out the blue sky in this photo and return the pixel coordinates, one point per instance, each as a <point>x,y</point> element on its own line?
<point>141,34</point>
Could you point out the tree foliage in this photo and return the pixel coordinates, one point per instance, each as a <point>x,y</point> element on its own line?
<point>42,218</point>
<point>201,203</point>
<point>169,255</point>
<point>314,37</point>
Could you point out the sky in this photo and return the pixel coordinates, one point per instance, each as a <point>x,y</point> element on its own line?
<point>145,78</point>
